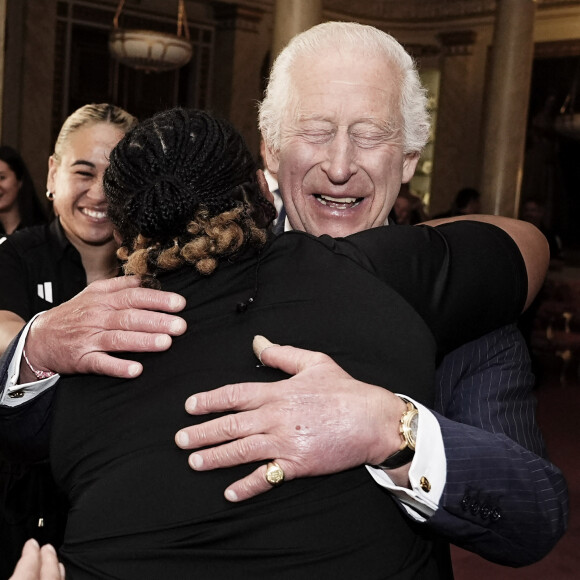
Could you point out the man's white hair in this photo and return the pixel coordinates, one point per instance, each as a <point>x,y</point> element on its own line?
<point>344,36</point>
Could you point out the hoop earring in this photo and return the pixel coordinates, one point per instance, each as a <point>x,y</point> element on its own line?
<point>49,195</point>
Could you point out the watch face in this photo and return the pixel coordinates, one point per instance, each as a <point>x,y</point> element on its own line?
<point>414,425</point>
<point>410,422</point>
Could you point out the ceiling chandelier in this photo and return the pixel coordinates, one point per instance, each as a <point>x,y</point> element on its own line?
<point>150,50</point>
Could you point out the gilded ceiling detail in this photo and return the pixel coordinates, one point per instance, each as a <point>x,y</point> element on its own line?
<point>409,10</point>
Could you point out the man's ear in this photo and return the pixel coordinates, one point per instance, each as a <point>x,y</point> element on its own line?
<point>263,185</point>
<point>409,166</point>
<point>272,160</point>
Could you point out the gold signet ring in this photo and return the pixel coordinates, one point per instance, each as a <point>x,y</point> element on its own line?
<point>274,474</point>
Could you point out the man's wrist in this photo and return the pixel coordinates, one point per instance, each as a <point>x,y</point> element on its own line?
<point>31,368</point>
<point>408,426</point>
<point>38,373</point>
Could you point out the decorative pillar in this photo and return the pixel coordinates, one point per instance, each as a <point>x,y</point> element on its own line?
<point>292,17</point>
<point>238,58</point>
<point>457,119</point>
<point>32,102</point>
<point>504,128</point>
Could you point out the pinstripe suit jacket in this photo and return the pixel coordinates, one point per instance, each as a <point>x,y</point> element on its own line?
<point>503,499</point>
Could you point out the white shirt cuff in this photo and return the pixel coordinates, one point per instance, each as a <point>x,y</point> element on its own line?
<point>428,471</point>
<point>14,394</point>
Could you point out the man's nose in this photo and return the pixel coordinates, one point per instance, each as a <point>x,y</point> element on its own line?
<point>340,163</point>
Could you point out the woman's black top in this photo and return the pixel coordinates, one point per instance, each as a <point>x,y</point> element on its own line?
<point>378,302</point>
<point>40,269</point>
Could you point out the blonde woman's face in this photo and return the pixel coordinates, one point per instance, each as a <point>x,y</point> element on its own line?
<point>77,184</point>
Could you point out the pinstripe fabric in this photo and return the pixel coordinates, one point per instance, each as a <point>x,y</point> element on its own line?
<point>502,498</point>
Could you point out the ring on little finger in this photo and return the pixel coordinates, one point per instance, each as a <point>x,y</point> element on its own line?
<point>274,474</point>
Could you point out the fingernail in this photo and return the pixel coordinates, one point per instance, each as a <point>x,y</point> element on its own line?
<point>259,344</point>
<point>49,548</point>
<point>32,542</point>
<point>182,439</point>
<point>176,302</point>
<point>163,341</point>
<point>231,495</point>
<point>196,461</point>
<point>134,369</point>
<point>177,326</point>
<point>191,404</point>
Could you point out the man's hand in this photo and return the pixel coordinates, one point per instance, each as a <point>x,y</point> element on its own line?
<point>113,315</point>
<point>317,422</point>
<point>38,563</point>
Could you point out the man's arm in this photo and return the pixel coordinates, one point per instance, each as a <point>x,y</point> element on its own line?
<point>109,316</point>
<point>486,410</point>
<point>337,409</point>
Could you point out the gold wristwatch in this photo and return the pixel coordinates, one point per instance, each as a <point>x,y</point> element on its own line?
<point>409,424</point>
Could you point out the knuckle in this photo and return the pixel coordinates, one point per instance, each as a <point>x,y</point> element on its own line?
<point>230,426</point>
<point>116,340</point>
<point>248,449</point>
<point>125,319</point>
<point>230,395</point>
<point>255,483</point>
<point>132,298</point>
<point>198,436</point>
<point>255,447</point>
<point>321,358</point>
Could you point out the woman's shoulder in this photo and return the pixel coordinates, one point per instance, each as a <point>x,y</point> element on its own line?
<point>33,239</point>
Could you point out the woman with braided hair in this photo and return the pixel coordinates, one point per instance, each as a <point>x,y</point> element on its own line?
<point>156,223</point>
<point>186,204</point>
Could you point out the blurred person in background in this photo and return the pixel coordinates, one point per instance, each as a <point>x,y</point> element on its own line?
<point>466,202</point>
<point>19,204</point>
<point>408,209</point>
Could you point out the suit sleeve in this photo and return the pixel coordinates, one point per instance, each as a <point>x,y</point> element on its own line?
<point>24,429</point>
<point>502,498</point>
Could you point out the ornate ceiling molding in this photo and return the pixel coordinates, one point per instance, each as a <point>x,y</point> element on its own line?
<point>412,10</point>
<point>406,10</point>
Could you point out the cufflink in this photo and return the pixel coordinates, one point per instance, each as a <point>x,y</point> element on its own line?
<point>425,484</point>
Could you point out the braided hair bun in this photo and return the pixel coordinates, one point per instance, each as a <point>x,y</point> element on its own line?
<point>170,170</point>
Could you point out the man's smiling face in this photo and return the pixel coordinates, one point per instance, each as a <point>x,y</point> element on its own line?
<point>341,162</point>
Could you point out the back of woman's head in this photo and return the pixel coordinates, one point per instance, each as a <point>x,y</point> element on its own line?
<point>172,177</point>
<point>31,210</point>
<point>89,115</point>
